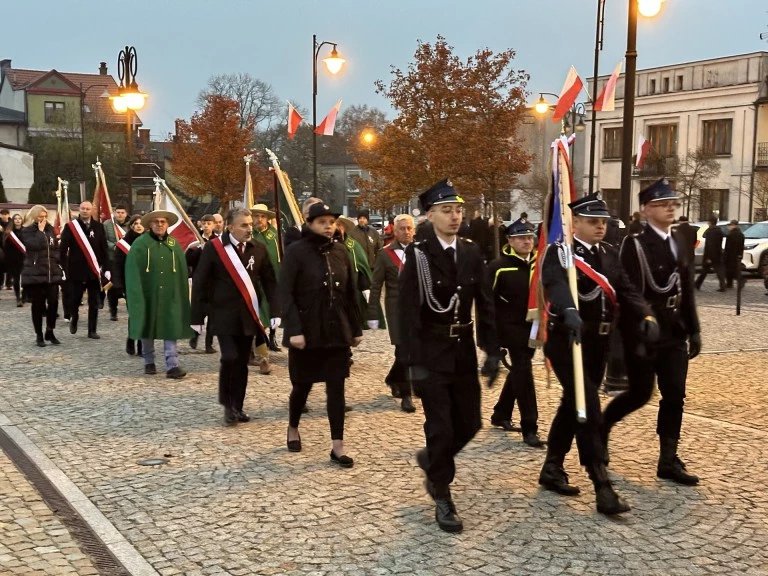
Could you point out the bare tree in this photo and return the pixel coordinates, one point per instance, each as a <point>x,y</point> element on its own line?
<point>694,172</point>
<point>257,100</point>
<point>760,197</point>
<point>533,193</point>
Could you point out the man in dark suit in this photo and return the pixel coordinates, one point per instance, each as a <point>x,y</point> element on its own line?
<point>690,233</point>
<point>85,261</point>
<point>657,263</point>
<point>228,276</point>
<point>386,274</point>
<point>713,255</point>
<point>441,280</point>
<point>480,233</point>
<point>733,252</point>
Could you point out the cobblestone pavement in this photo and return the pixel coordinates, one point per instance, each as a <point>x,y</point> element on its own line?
<point>235,501</point>
<point>32,539</point>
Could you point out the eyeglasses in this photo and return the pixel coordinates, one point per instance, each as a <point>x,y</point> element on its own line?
<point>666,204</point>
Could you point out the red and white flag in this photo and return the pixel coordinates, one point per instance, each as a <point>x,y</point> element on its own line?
<point>62,213</point>
<point>184,231</point>
<point>569,93</point>
<point>294,119</point>
<point>329,122</point>
<point>643,147</point>
<point>102,205</point>
<point>605,102</point>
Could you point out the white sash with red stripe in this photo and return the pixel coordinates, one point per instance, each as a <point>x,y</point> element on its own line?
<point>18,243</point>
<point>231,260</point>
<point>119,232</point>
<point>123,246</point>
<point>597,278</point>
<point>85,247</point>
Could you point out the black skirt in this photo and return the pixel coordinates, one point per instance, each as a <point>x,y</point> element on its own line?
<point>318,364</point>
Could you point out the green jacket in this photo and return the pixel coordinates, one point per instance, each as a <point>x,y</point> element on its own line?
<point>157,289</point>
<point>269,239</point>
<point>109,232</point>
<point>359,261</point>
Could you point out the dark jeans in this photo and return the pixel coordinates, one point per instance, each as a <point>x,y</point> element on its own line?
<point>45,302</point>
<point>519,386</point>
<point>334,399</point>
<point>233,371</point>
<point>15,280</point>
<point>76,294</point>
<point>708,267</point>
<point>670,367</point>
<point>451,405</point>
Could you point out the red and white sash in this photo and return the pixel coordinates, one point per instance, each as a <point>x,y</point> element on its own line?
<point>394,257</point>
<point>85,247</point>
<point>597,278</point>
<point>18,243</point>
<point>119,232</point>
<point>231,260</point>
<point>123,246</point>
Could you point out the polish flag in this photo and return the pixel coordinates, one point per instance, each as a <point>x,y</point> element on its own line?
<point>326,126</point>
<point>102,205</point>
<point>605,102</point>
<point>643,147</point>
<point>294,119</point>
<point>569,93</point>
<point>184,231</point>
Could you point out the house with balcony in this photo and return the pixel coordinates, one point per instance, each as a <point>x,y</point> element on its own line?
<point>718,107</point>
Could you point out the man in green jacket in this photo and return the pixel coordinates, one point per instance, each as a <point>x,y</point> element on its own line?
<point>265,233</point>
<point>157,290</point>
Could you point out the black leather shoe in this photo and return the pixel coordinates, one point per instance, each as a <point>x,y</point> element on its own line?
<point>407,405</point>
<point>150,369</point>
<point>130,347</point>
<point>396,392</point>
<point>51,338</point>
<point>230,417</point>
<point>555,479</point>
<point>293,445</point>
<point>505,425</point>
<point>447,517</point>
<point>40,341</point>
<point>242,416</point>
<point>94,336</point>
<point>210,350</point>
<point>676,472</point>
<point>193,341</point>
<point>533,440</point>
<point>113,316</point>
<point>347,408</point>
<point>305,410</point>
<point>344,461</point>
<point>608,502</point>
<point>176,373</point>
<point>73,325</point>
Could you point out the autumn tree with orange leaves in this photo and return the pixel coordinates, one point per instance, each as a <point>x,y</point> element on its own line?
<point>208,154</point>
<point>456,119</point>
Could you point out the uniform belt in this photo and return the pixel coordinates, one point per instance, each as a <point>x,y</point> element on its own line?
<point>449,330</point>
<point>601,328</point>
<point>670,302</point>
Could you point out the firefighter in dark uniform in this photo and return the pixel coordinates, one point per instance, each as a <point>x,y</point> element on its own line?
<point>510,276</point>
<point>442,278</point>
<point>658,264</point>
<point>602,285</point>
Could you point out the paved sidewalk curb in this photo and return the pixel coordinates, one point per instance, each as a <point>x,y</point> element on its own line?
<point>125,553</point>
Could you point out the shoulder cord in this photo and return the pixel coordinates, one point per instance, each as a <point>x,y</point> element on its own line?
<point>424,278</point>
<point>589,296</point>
<point>646,275</point>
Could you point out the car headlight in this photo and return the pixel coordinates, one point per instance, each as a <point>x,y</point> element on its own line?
<point>750,245</point>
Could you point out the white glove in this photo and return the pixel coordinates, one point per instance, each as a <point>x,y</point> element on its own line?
<point>197,328</point>
<point>63,275</point>
<point>108,275</point>
<point>373,324</point>
<point>366,295</point>
<point>274,323</point>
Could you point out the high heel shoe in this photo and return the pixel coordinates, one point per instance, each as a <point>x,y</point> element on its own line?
<point>344,461</point>
<point>293,445</point>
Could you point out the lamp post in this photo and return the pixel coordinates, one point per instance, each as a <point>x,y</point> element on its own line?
<point>129,99</point>
<point>83,93</point>
<point>333,64</point>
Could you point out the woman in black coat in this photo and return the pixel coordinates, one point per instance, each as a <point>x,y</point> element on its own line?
<point>135,229</point>
<point>14,255</point>
<point>41,273</point>
<point>321,320</point>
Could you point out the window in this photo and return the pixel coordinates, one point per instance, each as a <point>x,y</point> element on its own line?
<point>612,197</point>
<point>713,202</point>
<point>353,186</point>
<point>612,143</point>
<point>717,137</point>
<point>54,112</point>
<point>679,83</point>
<point>665,85</point>
<point>663,138</point>
<point>652,87</point>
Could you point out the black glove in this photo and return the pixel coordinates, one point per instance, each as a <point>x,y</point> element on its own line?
<point>272,344</point>
<point>649,330</point>
<point>572,321</point>
<point>491,369</point>
<point>694,345</point>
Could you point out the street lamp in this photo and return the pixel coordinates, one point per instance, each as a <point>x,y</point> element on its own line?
<point>333,64</point>
<point>129,99</point>
<point>576,113</point>
<point>368,137</point>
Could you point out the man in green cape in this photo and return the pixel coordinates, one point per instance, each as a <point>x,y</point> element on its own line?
<point>265,233</point>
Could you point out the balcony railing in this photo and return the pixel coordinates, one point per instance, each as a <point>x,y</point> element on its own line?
<point>658,166</point>
<point>762,155</point>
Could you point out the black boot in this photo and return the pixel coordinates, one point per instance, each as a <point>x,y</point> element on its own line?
<point>139,348</point>
<point>670,466</point>
<point>608,502</point>
<point>40,340</point>
<point>130,347</point>
<point>406,404</point>
<point>446,516</point>
<point>51,338</point>
<point>553,477</point>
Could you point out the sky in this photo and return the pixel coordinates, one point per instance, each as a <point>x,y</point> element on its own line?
<point>181,43</point>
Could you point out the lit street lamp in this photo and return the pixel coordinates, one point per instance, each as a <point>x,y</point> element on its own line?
<point>368,137</point>
<point>129,99</point>
<point>333,64</point>
<point>576,122</point>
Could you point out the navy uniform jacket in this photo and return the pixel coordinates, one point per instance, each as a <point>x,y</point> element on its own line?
<point>509,277</point>
<point>420,344</point>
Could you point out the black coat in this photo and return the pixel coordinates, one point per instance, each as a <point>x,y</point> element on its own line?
<point>41,264</point>
<point>713,247</point>
<point>318,295</point>
<point>689,232</point>
<point>509,277</point>
<point>732,254</point>
<point>680,320</point>
<point>118,274</point>
<point>74,262</point>
<point>215,293</point>
<point>417,322</point>
<point>14,258</point>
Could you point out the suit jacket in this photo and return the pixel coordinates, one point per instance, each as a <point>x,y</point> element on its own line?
<point>214,291</point>
<point>74,261</point>
<point>690,233</point>
<point>420,346</point>
<point>734,249</point>
<point>386,275</point>
<point>713,248</point>
<point>681,320</point>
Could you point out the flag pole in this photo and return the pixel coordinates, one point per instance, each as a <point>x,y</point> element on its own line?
<point>278,212</point>
<point>289,197</point>
<point>248,200</point>
<point>172,197</point>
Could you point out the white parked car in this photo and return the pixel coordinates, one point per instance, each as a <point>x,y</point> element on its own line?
<point>698,252</point>
<point>755,258</point>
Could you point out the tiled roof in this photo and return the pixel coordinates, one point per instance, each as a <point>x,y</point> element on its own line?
<point>92,84</point>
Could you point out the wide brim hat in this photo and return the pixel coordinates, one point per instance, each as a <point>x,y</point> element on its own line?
<point>262,209</point>
<point>321,209</point>
<point>149,216</point>
<point>346,221</point>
